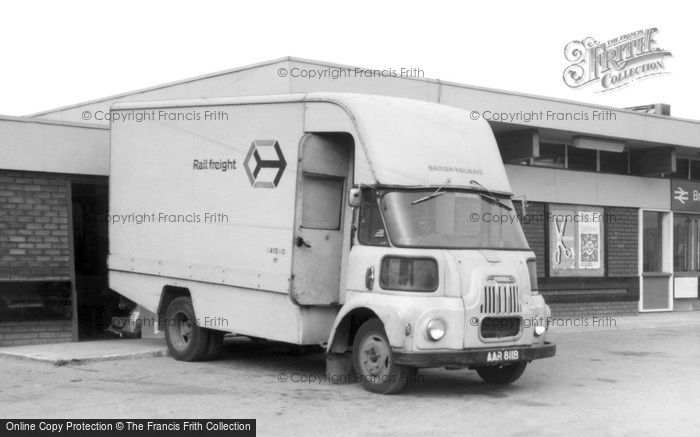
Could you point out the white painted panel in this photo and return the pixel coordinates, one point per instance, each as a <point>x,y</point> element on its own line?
<point>587,188</point>
<point>159,202</point>
<point>685,287</point>
<point>53,148</point>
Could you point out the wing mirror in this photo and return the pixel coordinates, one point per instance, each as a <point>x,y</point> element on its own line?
<point>354,197</point>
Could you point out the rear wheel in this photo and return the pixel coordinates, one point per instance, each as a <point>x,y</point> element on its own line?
<point>373,360</point>
<point>503,374</point>
<point>186,341</point>
<point>214,345</point>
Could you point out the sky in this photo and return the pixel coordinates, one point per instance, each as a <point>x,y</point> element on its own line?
<point>57,53</point>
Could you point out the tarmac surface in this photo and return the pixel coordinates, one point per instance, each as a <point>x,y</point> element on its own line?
<point>638,377</point>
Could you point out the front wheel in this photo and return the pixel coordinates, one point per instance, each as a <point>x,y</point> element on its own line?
<point>502,374</point>
<point>373,360</point>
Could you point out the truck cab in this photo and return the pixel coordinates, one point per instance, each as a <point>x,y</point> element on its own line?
<point>449,274</point>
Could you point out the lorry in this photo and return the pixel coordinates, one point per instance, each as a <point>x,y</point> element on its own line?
<point>379,228</point>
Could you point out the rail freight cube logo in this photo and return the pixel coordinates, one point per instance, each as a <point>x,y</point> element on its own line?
<point>265,164</point>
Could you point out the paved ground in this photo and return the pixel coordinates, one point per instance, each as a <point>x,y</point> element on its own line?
<point>634,381</point>
<point>62,354</point>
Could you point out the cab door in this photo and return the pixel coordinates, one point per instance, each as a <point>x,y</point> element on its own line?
<point>324,170</point>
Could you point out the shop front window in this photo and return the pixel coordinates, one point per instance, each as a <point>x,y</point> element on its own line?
<point>686,243</point>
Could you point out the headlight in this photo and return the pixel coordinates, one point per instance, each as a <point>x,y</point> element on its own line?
<point>532,271</point>
<point>436,329</point>
<point>408,274</point>
<point>540,326</point>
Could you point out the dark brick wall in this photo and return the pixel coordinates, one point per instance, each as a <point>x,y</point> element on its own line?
<point>33,226</point>
<point>622,252</point>
<point>593,309</point>
<point>34,332</point>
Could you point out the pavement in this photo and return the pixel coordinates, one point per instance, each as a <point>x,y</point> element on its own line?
<point>63,354</point>
<point>612,323</point>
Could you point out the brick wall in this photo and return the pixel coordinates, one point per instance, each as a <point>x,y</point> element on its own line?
<point>622,242</point>
<point>33,226</point>
<point>594,309</point>
<point>34,332</point>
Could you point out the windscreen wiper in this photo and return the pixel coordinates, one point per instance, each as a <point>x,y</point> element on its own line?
<point>491,196</point>
<point>439,192</point>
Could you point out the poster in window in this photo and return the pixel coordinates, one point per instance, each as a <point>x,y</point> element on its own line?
<point>563,241</point>
<point>589,241</point>
<point>575,240</point>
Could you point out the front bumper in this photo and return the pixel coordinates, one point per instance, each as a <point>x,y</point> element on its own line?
<point>476,357</point>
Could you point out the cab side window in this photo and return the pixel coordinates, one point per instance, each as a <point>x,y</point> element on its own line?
<point>371,227</point>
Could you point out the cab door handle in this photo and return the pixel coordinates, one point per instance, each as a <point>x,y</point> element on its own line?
<point>302,242</point>
<point>369,278</point>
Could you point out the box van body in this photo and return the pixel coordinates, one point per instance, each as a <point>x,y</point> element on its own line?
<point>302,218</point>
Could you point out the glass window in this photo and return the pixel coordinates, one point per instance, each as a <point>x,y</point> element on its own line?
<point>551,155</point>
<point>582,159</point>
<point>371,227</point>
<point>322,202</point>
<point>614,162</point>
<point>408,274</point>
<point>652,241</point>
<point>686,243</point>
<point>451,219</point>
<point>694,170</point>
<point>682,169</point>
<point>29,300</point>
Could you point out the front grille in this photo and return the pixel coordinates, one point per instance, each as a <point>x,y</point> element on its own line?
<point>500,327</point>
<point>501,299</point>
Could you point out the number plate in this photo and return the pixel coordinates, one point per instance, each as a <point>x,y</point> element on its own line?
<point>503,356</point>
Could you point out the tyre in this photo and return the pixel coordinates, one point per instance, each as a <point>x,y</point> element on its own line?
<point>186,341</point>
<point>503,374</point>
<point>373,361</point>
<point>214,345</point>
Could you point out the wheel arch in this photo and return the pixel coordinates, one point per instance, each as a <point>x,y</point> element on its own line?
<point>343,333</point>
<point>170,293</point>
<point>349,321</point>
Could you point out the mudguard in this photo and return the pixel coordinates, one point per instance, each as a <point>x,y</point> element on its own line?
<point>383,306</point>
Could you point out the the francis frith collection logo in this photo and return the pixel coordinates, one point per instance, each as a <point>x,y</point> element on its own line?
<point>614,63</point>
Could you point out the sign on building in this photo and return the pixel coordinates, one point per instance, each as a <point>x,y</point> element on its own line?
<point>685,195</point>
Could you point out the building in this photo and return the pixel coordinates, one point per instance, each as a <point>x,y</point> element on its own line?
<point>53,175</point>
<point>627,182</point>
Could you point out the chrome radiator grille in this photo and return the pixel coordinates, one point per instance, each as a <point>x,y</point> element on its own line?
<point>500,299</point>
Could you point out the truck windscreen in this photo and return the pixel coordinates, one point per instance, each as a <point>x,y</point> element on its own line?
<point>451,220</point>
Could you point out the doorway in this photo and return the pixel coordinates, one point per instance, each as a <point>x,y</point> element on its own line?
<point>657,267</point>
<point>96,304</point>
